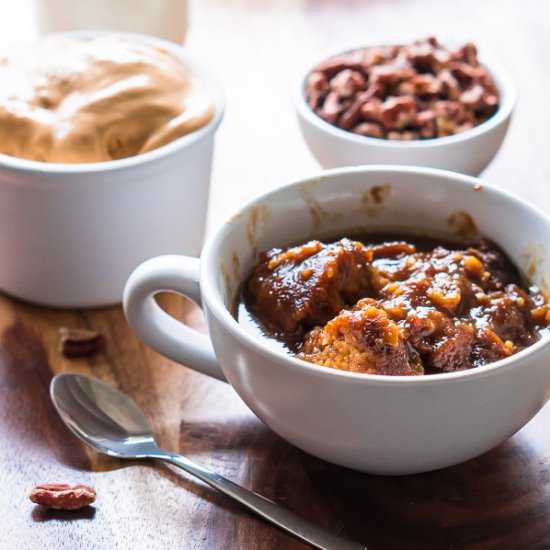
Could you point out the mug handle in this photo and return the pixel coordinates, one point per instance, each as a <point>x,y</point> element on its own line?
<point>154,326</point>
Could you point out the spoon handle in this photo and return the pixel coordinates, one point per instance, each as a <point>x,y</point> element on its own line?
<point>267,509</point>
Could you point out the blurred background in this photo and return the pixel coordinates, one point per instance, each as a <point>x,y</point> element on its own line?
<point>258,48</point>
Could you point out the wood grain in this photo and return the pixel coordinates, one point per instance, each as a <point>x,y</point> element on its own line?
<point>500,500</point>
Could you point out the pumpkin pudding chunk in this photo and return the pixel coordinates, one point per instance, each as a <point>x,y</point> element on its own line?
<point>363,339</point>
<point>298,288</point>
<point>395,307</point>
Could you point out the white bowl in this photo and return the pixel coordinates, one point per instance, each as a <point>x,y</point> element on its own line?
<point>377,424</point>
<point>70,234</point>
<point>468,152</point>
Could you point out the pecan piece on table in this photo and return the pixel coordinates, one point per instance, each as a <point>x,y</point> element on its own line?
<point>61,496</point>
<point>78,342</point>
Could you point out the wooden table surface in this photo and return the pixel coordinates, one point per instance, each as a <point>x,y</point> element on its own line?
<point>500,500</point>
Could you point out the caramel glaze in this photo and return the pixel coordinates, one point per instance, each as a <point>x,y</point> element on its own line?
<point>393,306</point>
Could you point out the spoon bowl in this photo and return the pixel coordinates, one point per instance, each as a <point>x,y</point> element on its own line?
<point>103,417</point>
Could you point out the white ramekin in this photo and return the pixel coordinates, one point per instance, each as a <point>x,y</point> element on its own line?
<point>377,424</point>
<point>70,234</point>
<point>468,152</point>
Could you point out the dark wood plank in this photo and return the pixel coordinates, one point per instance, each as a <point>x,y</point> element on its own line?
<point>500,500</point>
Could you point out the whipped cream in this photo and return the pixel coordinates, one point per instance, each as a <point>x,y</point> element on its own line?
<point>69,100</point>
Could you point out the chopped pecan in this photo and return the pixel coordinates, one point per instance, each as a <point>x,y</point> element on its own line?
<point>406,87</point>
<point>487,81</point>
<point>347,83</point>
<point>425,122</point>
<point>472,97</point>
<point>77,342</point>
<point>398,112</point>
<point>61,496</point>
<point>468,54</point>
<point>453,110</point>
<point>331,67</point>
<point>450,85</point>
<point>464,73</point>
<point>422,56</point>
<point>389,85</point>
<point>376,56</point>
<point>443,57</point>
<point>409,135</point>
<point>390,74</point>
<point>371,109</point>
<point>353,114</point>
<point>369,129</point>
<point>426,84</point>
<point>444,126</point>
<point>405,135</point>
<point>394,135</point>
<point>317,87</point>
<point>431,40</point>
<point>489,104</point>
<point>331,109</point>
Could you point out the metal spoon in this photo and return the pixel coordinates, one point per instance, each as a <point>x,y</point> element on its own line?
<point>113,424</point>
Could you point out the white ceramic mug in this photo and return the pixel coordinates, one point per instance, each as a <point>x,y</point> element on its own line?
<point>377,424</point>
<point>70,234</point>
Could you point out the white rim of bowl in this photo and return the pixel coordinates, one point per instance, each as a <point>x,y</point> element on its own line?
<point>212,296</point>
<point>210,82</point>
<point>506,88</point>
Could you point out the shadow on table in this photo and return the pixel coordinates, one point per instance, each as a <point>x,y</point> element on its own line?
<point>498,500</point>
<point>501,499</point>
<point>27,413</point>
<point>41,514</point>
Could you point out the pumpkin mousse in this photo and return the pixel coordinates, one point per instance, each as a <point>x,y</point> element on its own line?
<point>84,100</point>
